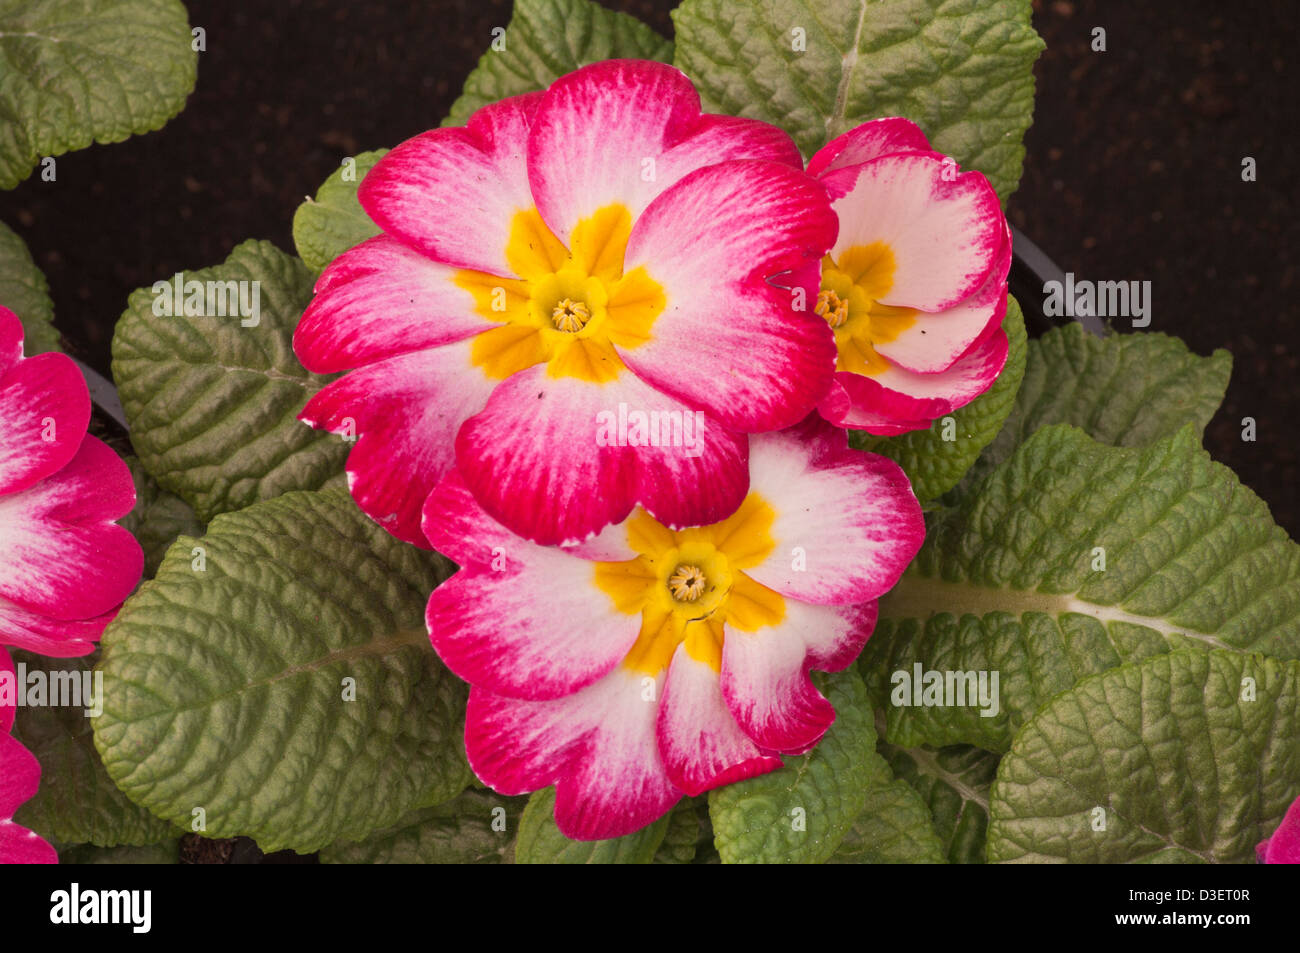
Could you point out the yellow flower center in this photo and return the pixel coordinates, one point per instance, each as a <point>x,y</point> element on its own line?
<point>852,287</point>
<point>570,307</point>
<point>687,584</point>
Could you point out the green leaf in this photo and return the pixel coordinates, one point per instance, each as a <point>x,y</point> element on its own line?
<point>157,519</point>
<point>331,223</point>
<point>1185,757</point>
<point>540,840</point>
<point>227,679</point>
<point>213,404</point>
<point>76,803</point>
<point>682,838</point>
<point>800,812</point>
<point>1127,390</point>
<point>960,69</point>
<point>167,852</point>
<point>545,40</point>
<point>73,72</point>
<point>478,827</point>
<point>954,784</point>
<point>933,464</point>
<point>1005,584</point>
<point>894,828</point>
<point>25,292</point>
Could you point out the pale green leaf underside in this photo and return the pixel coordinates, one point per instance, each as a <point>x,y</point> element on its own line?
<point>540,840</point>
<point>73,72</point>
<point>225,687</point>
<point>25,292</point>
<point>933,464</point>
<point>1005,582</point>
<point>758,820</point>
<point>953,783</point>
<point>331,223</point>
<point>157,519</point>
<point>545,40</point>
<point>76,802</point>
<point>1185,767</point>
<point>960,69</point>
<point>1127,390</point>
<point>894,827</point>
<point>464,830</point>
<point>213,404</point>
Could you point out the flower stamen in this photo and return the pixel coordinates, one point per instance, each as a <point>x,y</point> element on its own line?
<point>686,583</point>
<point>832,307</point>
<point>570,315</point>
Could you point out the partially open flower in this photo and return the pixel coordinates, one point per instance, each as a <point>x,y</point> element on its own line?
<point>65,566</point>
<point>1284,846</point>
<point>648,663</point>
<point>20,774</point>
<point>915,287</point>
<point>599,248</point>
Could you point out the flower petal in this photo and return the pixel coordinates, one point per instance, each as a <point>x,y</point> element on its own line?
<point>945,231</point>
<point>766,687</point>
<point>950,333</point>
<point>44,411</point>
<point>896,401</point>
<point>879,137</point>
<point>452,193</point>
<point>1284,846</point>
<point>623,131</point>
<point>549,459</point>
<point>11,340</point>
<point>378,300</point>
<point>20,775</point>
<point>596,746</point>
<point>847,523</point>
<point>730,341</point>
<point>61,554</point>
<point>519,620</point>
<point>701,744</point>
<point>405,412</point>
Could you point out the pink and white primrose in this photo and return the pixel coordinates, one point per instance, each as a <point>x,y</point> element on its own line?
<point>915,286</point>
<point>648,663</point>
<point>599,248</point>
<point>65,566</point>
<point>20,774</point>
<point>1284,846</point>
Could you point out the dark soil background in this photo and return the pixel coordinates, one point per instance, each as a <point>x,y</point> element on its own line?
<point>1133,169</point>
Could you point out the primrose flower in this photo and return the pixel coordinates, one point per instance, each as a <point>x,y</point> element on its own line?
<point>64,565</point>
<point>1284,846</point>
<point>647,662</point>
<point>19,776</point>
<point>915,287</point>
<point>599,251</point>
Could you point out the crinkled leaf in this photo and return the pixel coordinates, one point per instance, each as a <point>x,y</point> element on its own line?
<point>1005,583</point>
<point>1127,390</point>
<point>894,827</point>
<point>212,404</point>
<point>76,803</point>
<point>545,40</point>
<point>1185,757</point>
<point>157,519</point>
<point>478,827</point>
<point>933,464</point>
<point>540,840</point>
<point>331,223</point>
<point>954,784</point>
<point>960,69</point>
<point>167,852</point>
<point>682,838</point>
<point>800,812</point>
<point>227,679</point>
<point>73,72</point>
<point>25,292</point>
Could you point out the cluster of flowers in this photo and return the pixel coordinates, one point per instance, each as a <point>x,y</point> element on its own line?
<point>639,604</point>
<point>65,566</point>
